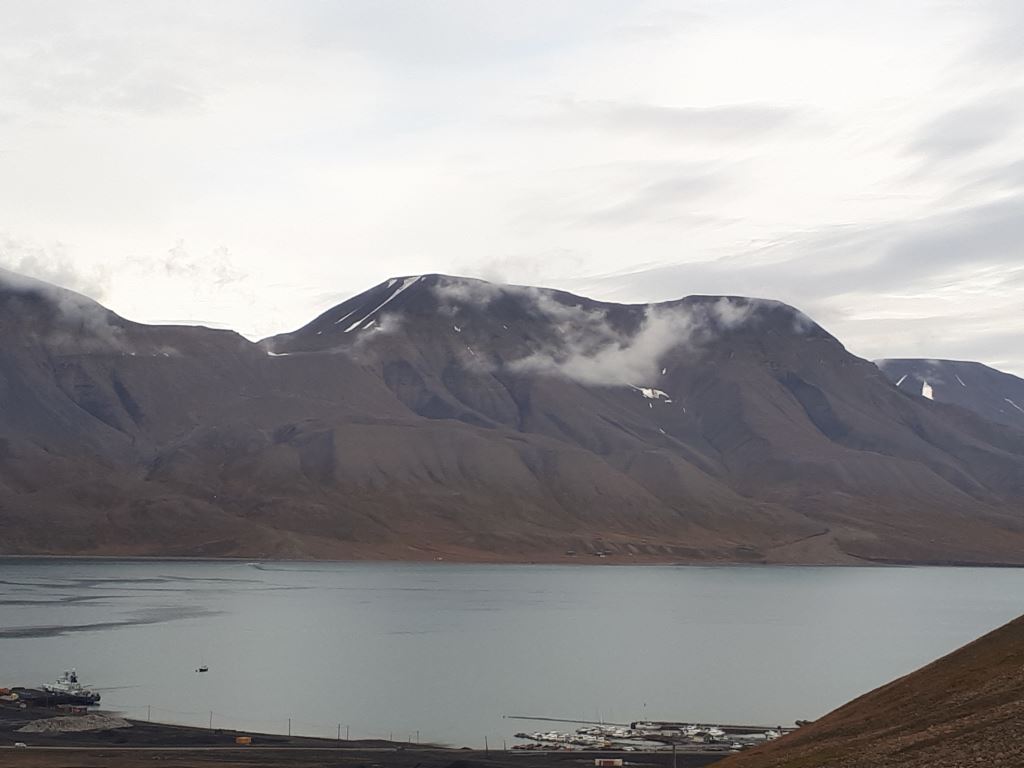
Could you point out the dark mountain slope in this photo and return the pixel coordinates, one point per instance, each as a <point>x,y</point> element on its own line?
<point>993,394</point>
<point>451,416</point>
<point>967,708</point>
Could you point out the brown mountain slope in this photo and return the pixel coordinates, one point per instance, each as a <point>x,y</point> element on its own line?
<point>965,709</point>
<point>435,416</point>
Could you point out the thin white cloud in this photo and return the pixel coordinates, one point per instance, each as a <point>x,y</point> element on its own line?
<point>720,123</point>
<point>964,130</point>
<point>54,265</point>
<point>588,346</point>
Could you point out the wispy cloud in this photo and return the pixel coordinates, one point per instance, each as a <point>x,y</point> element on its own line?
<point>961,272</point>
<point>964,130</point>
<point>53,264</point>
<point>725,123</point>
<point>666,198</point>
<point>589,347</point>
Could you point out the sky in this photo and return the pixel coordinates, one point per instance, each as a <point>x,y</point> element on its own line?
<point>248,164</point>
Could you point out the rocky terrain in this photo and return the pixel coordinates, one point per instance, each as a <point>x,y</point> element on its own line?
<point>965,709</point>
<point>995,395</point>
<point>94,721</point>
<point>444,417</point>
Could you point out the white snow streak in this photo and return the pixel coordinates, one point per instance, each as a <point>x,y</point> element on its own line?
<point>1014,404</point>
<point>960,380</point>
<point>902,379</point>
<point>346,317</point>
<point>653,394</point>
<point>405,284</point>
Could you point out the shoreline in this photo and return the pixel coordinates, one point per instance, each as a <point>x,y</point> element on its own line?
<point>184,745</point>
<point>582,561</point>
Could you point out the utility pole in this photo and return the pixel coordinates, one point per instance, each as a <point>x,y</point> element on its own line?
<point>673,754</point>
<point>211,719</point>
<point>289,727</point>
<point>346,733</point>
<point>487,749</point>
<point>149,713</point>
<point>339,733</point>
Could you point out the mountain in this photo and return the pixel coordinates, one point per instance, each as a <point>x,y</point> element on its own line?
<point>967,708</point>
<point>995,395</point>
<point>444,417</point>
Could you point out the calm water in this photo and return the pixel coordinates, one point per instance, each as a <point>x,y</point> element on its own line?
<point>449,650</point>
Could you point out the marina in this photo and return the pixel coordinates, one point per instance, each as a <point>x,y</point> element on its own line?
<point>649,736</point>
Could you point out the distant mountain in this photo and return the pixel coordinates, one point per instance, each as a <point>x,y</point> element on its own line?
<point>444,417</point>
<point>995,395</point>
<point>967,708</point>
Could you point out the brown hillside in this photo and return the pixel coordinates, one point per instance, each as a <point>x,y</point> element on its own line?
<point>442,417</point>
<point>966,709</point>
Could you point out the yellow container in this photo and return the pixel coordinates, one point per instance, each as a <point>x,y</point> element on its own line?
<point>244,740</point>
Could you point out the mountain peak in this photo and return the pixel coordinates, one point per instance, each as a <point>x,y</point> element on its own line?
<point>996,395</point>
<point>431,300</point>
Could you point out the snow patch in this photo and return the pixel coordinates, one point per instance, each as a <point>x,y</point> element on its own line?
<point>960,380</point>
<point>902,379</point>
<point>457,329</point>
<point>341,320</point>
<point>927,391</point>
<point>1014,404</point>
<point>653,394</point>
<point>664,371</point>
<point>404,284</point>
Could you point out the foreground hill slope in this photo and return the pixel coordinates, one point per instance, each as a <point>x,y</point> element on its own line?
<point>436,416</point>
<point>995,395</point>
<point>965,709</point>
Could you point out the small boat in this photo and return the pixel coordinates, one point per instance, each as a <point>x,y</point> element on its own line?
<point>202,668</point>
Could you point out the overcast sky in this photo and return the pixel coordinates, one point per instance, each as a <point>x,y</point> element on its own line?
<point>248,164</point>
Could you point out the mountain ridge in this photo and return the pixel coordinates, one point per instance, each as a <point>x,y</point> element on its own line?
<point>433,416</point>
<point>989,392</point>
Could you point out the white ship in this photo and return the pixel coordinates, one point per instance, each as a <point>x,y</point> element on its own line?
<point>67,685</point>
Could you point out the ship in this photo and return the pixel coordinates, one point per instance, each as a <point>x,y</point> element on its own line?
<point>68,690</point>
